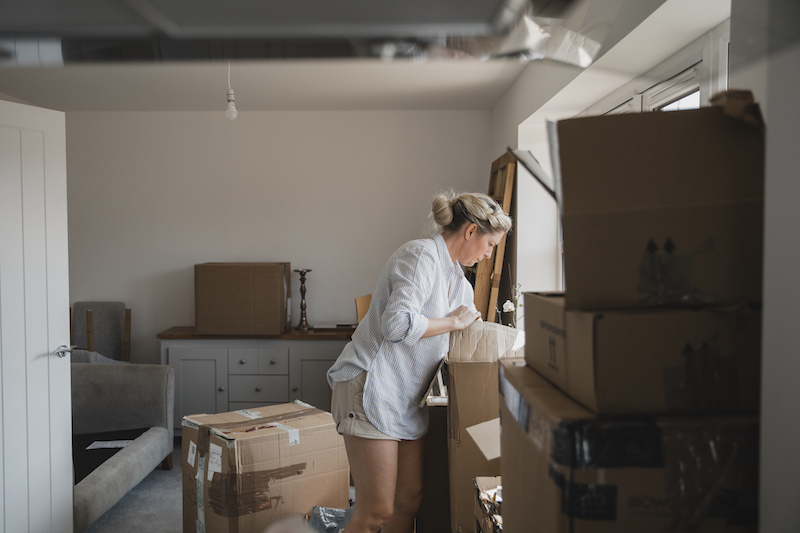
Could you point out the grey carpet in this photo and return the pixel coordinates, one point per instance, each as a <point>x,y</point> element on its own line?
<point>154,505</point>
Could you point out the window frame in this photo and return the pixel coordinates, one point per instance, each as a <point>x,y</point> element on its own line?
<point>702,65</point>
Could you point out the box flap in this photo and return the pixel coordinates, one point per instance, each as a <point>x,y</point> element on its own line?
<point>484,342</point>
<point>487,436</point>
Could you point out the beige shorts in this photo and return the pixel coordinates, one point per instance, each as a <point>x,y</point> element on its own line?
<point>347,409</point>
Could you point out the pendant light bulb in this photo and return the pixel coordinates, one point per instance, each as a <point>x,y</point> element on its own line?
<point>230,112</point>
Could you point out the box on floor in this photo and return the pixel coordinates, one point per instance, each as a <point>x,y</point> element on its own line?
<point>473,398</point>
<point>244,470</point>
<point>565,469</point>
<point>242,298</point>
<point>662,208</point>
<point>655,360</point>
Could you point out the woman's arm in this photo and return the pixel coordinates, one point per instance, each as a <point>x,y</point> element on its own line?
<point>459,319</point>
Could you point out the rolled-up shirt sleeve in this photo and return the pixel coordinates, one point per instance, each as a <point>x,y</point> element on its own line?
<point>410,285</point>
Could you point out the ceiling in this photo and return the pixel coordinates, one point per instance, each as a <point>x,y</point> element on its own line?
<point>342,84</point>
<point>173,55</point>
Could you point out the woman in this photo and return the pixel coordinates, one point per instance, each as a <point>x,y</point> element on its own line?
<point>379,379</point>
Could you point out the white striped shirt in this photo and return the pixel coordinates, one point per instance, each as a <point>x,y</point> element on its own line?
<point>419,281</point>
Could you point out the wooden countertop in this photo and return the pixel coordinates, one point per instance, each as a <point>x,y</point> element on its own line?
<point>322,334</point>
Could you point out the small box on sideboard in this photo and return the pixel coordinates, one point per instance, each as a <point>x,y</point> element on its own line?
<point>242,298</point>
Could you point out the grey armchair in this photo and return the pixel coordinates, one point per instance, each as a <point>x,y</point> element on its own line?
<point>117,397</point>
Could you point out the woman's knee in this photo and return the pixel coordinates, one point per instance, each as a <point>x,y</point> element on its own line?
<point>375,516</point>
<point>410,501</point>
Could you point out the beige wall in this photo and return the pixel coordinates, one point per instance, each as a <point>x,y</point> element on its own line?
<point>152,194</point>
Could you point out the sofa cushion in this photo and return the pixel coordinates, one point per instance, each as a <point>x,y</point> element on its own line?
<point>85,461</point>
<point>109,482</point>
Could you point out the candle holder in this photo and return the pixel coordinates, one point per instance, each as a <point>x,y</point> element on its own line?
<point>303,325</point>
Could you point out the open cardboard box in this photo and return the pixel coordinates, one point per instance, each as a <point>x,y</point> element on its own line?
<point>473,408</point>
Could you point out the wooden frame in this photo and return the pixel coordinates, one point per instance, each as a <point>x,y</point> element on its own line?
<point>489,272</point>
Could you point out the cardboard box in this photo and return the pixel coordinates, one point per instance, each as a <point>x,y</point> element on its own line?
<point>661,209</point>
<point>472,399</point>
<point>663,360</point>
<point>488,505</point>
<point>245,470</point>
<point>242,298</point>
<point>565,469</point>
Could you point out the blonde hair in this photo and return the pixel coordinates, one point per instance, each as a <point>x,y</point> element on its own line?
<point>452,210</point>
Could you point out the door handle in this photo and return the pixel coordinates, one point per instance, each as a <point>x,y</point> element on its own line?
<point>63,350</point>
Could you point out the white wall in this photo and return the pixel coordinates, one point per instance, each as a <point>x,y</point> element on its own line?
<point>780,432</point>
<point>152,194</point>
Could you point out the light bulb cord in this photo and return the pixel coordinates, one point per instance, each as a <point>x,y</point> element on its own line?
<point>229,75</point>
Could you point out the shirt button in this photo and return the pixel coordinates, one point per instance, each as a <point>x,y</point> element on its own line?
<point>350,415</point>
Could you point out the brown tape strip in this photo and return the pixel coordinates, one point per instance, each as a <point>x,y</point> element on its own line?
<point>233,495</point>
<point>204,431</point>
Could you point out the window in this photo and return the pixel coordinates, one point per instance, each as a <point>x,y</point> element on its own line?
<point>687,80</point>
<point>690,101</point>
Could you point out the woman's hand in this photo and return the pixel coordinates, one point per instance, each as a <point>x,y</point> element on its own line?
<point>459,319</point>
<point>464,316</point>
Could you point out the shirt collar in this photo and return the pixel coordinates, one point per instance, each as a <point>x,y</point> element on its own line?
<point>444,255</point>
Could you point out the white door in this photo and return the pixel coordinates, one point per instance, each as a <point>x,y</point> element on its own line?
<point>35,408</point>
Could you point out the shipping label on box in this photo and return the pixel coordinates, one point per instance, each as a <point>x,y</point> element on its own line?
<point>661,209</point>
<point>571,471</point>
<point>647,360</point>
<point>245,470</point>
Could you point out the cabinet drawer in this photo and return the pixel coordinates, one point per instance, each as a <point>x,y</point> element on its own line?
<point>243,361</point>
<point>252,361</point>
<point>273,361</point>
<point>258,389</point>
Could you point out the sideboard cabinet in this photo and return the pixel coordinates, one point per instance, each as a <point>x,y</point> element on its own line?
<point>215,374</point>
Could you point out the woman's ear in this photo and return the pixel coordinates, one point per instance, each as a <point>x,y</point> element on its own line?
<point>470,231</point>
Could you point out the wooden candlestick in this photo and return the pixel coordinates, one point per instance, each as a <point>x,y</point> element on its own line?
<point>303,320</point>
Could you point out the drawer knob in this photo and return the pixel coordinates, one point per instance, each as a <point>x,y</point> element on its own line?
<point>222,389</point>
<point>294,389</point>
<point>272,362</point>
<point>243,361</point>
<point>258,389</point>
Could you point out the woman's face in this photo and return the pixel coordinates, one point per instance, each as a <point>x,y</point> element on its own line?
<point>479,247</point>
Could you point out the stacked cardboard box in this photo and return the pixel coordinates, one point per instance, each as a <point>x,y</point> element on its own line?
<point>637,409</point>
<point>244,470</point>
<point>567,469</point>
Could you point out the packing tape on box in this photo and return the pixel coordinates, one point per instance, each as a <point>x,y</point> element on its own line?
<point>588,501</point>
<point>232,495</point>
<point>200,522</point>
<point>204,431</point>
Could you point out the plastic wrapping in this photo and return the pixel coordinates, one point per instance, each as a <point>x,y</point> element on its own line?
<point>328,519</point>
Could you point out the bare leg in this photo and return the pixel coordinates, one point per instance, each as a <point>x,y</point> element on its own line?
<point>373,464</point>
<point>408,494</point>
